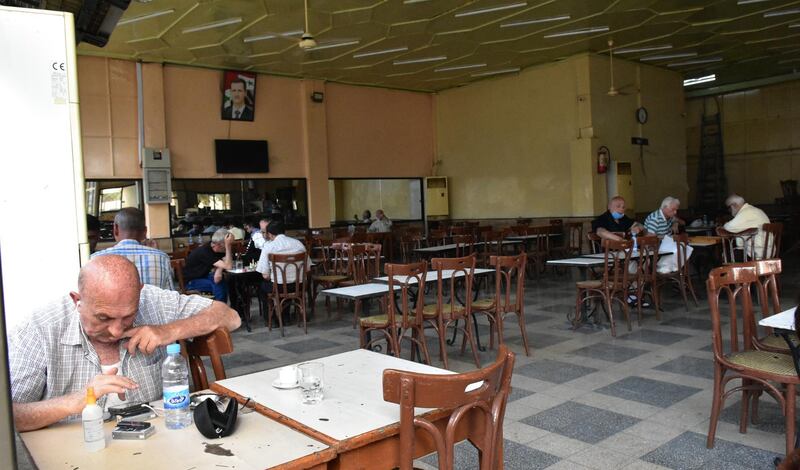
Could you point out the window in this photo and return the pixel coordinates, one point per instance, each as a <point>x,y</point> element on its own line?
<point>214,201</point>
<point>110,199</point>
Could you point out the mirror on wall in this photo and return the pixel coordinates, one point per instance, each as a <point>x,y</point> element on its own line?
<point>104,198</point>
<point>400,198</point>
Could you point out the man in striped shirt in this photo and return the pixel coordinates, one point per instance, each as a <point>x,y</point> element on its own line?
<point>663,221</point>
<point>129,231</point>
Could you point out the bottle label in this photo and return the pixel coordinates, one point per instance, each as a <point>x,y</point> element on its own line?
<point>176,397</point>
<point>93,430</point>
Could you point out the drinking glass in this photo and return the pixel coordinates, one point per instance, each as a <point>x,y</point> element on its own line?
<point>311,382</point>
<point>239,265</point>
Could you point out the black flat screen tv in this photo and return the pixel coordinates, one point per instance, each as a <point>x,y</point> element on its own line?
<point>242,156</point>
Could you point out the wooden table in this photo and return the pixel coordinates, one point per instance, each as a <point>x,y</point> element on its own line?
<point>353,418</point>
<point>258,442</point>
<point>239,283</point>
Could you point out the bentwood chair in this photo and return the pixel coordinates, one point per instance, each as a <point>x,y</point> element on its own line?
<point>465,245</point>
<point>769,302</point>
<point>573,238</point>
<point>756,371</point>
<point>408,243</point>
<point>404,319</point>
<point>438,237</point>
<point>177,266</point>
<point>508,299</point>
<point>612,287</point>
<point>453,303</point>
<point>212,345</point>
<point>646,274</point>
<point>773,233</point>
<point>477,412</point>
<point>492,246</point>
<point>333,272</point>
<point>732,243</point>
<point>538,249</point>
<point>287,294</point>
<point>682,276</point>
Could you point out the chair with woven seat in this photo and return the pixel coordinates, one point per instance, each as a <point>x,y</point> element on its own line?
<point>573,238</point>
<point>769,302</point>
<point>483,405</point>
<point>733,243</point>
<point>364,264</point>
<point>404,319</point>
<point>612,287</point>
<point>465,245</point>
<point>758,371</point>
<point>508,299</point>
<point>682,276</point>
<point>213,346</point>
<point>492,246</point>
<point>773,233</point>
<point>288,278</point>
<point>453,303</point>
<point>408,243</point>
<point>646,274</point>
<point>334,271</point>
<point>538,249</point>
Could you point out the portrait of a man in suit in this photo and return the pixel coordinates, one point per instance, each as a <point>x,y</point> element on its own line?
<point>237,104</point>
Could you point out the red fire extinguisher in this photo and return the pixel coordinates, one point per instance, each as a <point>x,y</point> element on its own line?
<point>603,158</point>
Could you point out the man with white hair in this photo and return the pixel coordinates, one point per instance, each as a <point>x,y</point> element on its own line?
<point>381,223</point>
<point>205,265</point>
<point>664,222</point>
<point>746,217</point>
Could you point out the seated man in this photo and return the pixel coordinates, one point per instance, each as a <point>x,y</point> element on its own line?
<point>90,338</point>
<point>92,232</point>
<point>381,223</point>
<point>663,222</point>
<point>205,265</point>
<point>615,220</point>
<point>238,233</point>
<point>745,217</point>
<point>281,244</point>
<point>129,231</point>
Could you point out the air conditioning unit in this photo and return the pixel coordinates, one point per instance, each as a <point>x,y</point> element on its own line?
<point>437,202</point>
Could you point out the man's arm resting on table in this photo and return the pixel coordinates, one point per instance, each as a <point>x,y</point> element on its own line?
<point>149,337</point>
<point>607,235</point>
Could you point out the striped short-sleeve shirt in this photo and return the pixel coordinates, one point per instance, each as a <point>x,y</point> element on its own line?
<point>153,264</point>
<point>655,223</point>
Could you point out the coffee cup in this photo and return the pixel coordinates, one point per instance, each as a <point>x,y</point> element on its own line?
<point>288,375</point>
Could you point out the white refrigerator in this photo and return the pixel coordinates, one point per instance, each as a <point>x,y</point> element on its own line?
<point>42,210</point>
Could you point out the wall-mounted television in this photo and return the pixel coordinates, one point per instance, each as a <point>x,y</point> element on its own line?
<point>242,156</point>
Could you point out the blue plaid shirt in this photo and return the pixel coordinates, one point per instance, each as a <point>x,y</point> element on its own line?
<point>153,264</point>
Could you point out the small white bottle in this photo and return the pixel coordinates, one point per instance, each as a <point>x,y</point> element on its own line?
<point>94,438</point>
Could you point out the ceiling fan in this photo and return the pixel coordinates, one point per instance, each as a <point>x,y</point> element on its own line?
<point>612,90</point>
<point>307,40</point>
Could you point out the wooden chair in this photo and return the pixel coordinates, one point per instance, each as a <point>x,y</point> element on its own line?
<point>438,237</point>
<point>213,346</point>
<point>287,294</point>
<point>614,285</point>
<point>573,239</point>
<point>768,271</point>
<point>773,233</point>
<point>449,309</point>
<point>465,245</point>
<point>485,404</point>
<point>404,319</point>
<point>409,243</point>
<point>646,274</point>
<point>364,264</point>
<point>595,243</point>
<point>538,250</point>
<point>743,241</point>
<point>524,221</point>
<point>509,297</point>
<point>492,246</point>
<point>177,266</point>
<point>758,371</point>
<point>334,271</point>
<point>682,277</point>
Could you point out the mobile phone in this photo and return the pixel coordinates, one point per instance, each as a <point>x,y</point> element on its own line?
<point>132,430</point>
<point>132,412</point>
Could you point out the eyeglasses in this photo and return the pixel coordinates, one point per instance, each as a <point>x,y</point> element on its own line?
<point>248,406</point>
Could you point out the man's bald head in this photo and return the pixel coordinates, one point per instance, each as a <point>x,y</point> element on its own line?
<point>109,274</point>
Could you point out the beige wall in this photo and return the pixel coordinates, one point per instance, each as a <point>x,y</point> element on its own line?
<point>352,196</point>
<point>761,139</point>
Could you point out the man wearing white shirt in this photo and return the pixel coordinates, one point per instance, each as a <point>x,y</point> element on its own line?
<point>279,243</point>
<point>746,217</point>
<point>381,223</point>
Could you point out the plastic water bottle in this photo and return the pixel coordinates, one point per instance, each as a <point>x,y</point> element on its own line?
<point>635,244</point>
<point>175,380</point>
<point>191,240</point>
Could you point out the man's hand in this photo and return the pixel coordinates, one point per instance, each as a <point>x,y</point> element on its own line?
<point>636,229</point>
<point>104,384</point>
<point>228,239</point>
<point>148,338</point>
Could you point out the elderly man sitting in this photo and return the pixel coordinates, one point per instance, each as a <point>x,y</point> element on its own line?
<point>206,264</point>
<point>614,220</point>
<point>746,217</point>
<point>381,224</point>
<point>664,222</point>
<point>110,335</point>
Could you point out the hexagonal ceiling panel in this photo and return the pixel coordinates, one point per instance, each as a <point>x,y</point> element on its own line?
<point>431,45</point>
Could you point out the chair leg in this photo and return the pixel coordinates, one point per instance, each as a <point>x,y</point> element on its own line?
<point>578,303</point>
<point>442,350</point>
<point>745,405</point>
<point>691,288</point>
<point>657,299</point>
<point>523,330</point>
<point>423,344</point>
<point>356,312</point>
<point>607,298</point>
<point>469,334</point>
<point>791,400</point>
<point>716,406</point>
<point>362,337</point>
<point>682,285</point>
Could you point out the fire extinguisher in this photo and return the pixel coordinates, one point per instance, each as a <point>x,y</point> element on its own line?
<point>603,159</point>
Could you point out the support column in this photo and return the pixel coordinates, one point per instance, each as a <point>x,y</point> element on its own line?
<point>315,154</point>
<point>155,136</point>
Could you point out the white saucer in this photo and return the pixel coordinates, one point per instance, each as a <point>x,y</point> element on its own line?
<point>282,386</point>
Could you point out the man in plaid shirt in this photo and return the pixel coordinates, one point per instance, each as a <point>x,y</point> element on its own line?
<point>109,335</point>
<point>129,231</point>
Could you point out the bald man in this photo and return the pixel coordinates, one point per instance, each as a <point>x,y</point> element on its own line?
<point>109,335</point>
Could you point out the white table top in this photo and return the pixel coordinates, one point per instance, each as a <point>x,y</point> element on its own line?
<point>576,262</point>
<point>361,291</point>
<point>452,246</point>
<point>353,388</point>
<point>634,254</point>
<point>783,320</point>
<point>432,276</point>
<point>258,442</point>
<point>532,237</point>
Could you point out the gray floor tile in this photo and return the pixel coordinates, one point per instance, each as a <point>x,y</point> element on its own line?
<point>517,393</point>
<point>770,416</point>
<point>662,338</point>
<point>648,391</point>
<point>541,340</point>
<point>688,365</point>
<point>688,452</point>
<point>689,322</point>
<point>609,352</point>
<point>309,345</point>
<point>553,371</point>
<point>515,457</point>
<point>582,422</point>
<point>244,358</point>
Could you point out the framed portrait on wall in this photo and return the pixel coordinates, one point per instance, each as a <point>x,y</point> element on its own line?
<point>238,96</point>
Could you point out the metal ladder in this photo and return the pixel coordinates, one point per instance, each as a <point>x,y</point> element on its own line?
<point>712,185</point>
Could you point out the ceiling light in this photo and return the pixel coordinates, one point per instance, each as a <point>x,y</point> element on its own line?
<point>481,11</point>
<point>630,50</point>
<point>789,61</point>
<point>409,2</point>
<point>575,32</point>
<point>796,25</point>
<point>459,67</point>
<point>495,72</point>
<point>771,14</point>
<point>678,55</point>
<point>384,51</point>
<point>536,21</point>
<point>698,80</point>
<point>135,19</point>
<point>695,62</point>
<point>216,24</point>
<point>753,59</point>
<point>263,37</point>
<point>331,45</point>
<point>747,2</point>
<point>419,61</point>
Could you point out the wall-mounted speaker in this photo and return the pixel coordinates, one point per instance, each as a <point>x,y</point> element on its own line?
<point>317,97</point>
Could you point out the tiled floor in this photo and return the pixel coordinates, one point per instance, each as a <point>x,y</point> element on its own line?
<point>582,399</point>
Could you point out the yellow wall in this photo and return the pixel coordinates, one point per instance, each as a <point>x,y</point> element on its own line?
<point>353,196</point>
<point>761,139</point>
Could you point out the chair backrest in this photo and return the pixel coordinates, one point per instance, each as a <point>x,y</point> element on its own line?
<point>574,234</point>
<point>541,243</point>
<point>480,395</point>
<point>373,254</point>
<point>213,346</point>
<point>648,257</point>
<point>509,282</point>
<point>682,253</point>
<point>735,280</point>
<point>461,230</point>
<point>768,271</point>
<point>356,255</point>
<point>358,237</point>
<point>773,233</point>
<point>789,189</point>
<point>617,257</point>
<point>408,243</point>
<point>492,242</point>
<point>459,286</point>
<point>595,242</point>
<point>411,280</point>
<point>288,269</point>
<point>465,245</point>
<point>177,267</point>
<point>437,236</point>
<point>744,240</point>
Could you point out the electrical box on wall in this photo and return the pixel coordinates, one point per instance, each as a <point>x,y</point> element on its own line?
<point>157,176</point>
<point>437,201</point>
